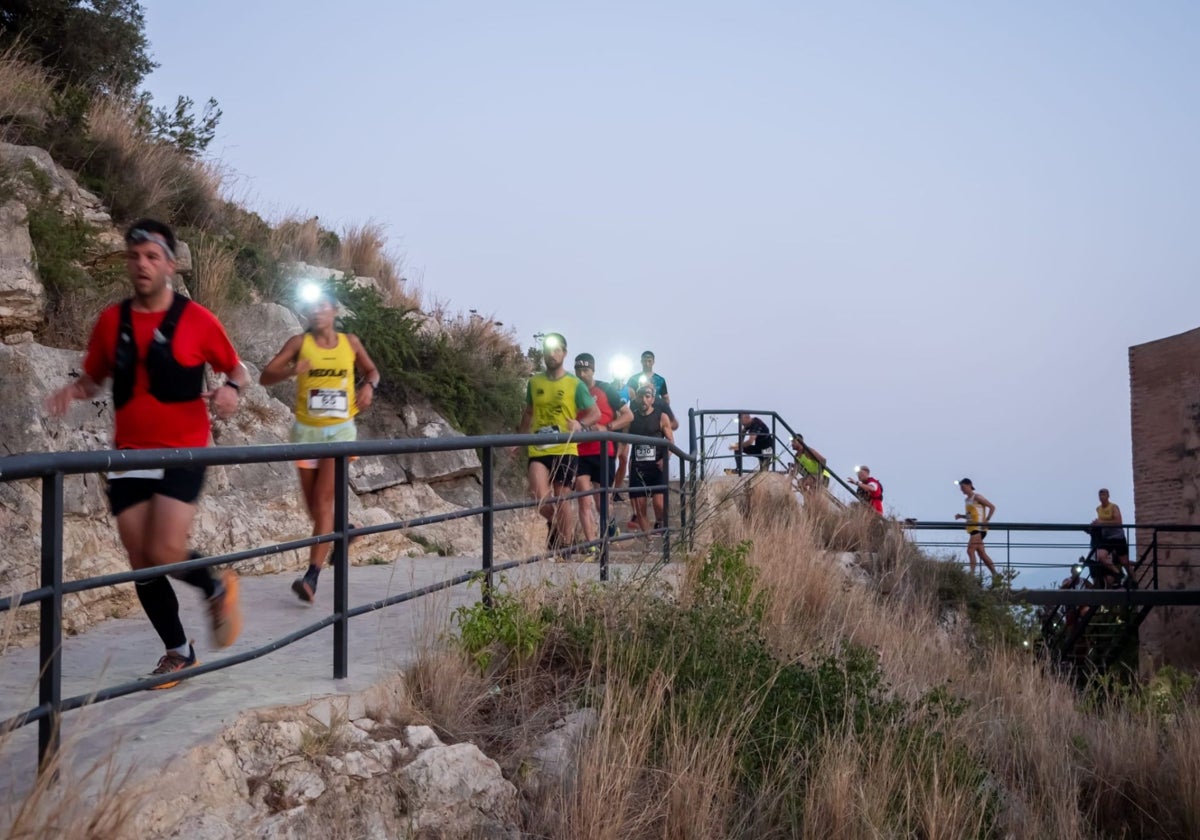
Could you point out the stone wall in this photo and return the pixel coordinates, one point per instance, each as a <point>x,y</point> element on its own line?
<point>1165,406</point>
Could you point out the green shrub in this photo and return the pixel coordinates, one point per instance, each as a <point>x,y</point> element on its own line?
<point>507,628</point>
<point>474,379</point>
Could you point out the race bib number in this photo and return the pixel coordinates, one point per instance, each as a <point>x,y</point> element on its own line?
<point>154,475</point>
<point>644,452</point>
<point>546,430</point>
<point>328,402</point>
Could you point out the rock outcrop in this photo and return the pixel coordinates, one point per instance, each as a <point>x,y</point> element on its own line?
<point>299,772</point>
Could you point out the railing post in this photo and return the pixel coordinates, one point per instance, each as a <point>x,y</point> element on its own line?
<point>605,481</point>
<point>341,568</point>
<point>700,445</point>
<point>774,439</point>
<point>1154,561</point>
<point>50,682</point>
<point>693,449</point>
<point>683,517</point>
<point>488,526</point>
<point>666,494</point>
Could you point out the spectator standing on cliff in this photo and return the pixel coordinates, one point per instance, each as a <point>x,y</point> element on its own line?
<point>155,345</point>
<point>335,379</point>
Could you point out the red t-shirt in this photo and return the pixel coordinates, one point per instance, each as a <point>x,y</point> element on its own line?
<point>606,416</point>
<point>144,422</point>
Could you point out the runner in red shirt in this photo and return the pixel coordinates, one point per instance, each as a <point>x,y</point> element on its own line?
<point>155,346</point>
<point>615,415</point>
<point>870,491</point>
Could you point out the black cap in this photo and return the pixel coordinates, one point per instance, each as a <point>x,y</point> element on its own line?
<point>585,360</point>
<point>966,481</point>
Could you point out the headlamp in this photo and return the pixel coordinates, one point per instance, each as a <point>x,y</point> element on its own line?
<point>309,292</point>
<point>620,367</point>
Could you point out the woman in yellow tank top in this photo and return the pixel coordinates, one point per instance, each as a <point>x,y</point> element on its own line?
<point>328,396</point>
<point>978,511</point>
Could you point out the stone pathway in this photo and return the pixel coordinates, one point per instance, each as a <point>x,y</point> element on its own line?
<point>149,728</point>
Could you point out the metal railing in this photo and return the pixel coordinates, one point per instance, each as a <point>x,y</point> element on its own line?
<point>708,445</point>
<point>51,468</point>
<point>1014,546</point>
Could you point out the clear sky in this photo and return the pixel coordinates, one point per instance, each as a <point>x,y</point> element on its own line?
<point>926,233</point>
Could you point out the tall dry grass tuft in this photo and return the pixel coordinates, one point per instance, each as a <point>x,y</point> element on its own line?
<point>25,94</point>
<point>214,274</point>
<point>140,175</point>
<point>297,239</point>
<point>363,252</point>
<point>611,796</point>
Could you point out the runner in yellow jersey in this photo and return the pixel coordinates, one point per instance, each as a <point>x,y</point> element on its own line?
<point>328,396</point>
<point>979,511</point>
<point>555,403</point>
<point>1108,538</point>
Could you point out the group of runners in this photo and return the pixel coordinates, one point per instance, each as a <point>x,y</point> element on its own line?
<point>558,402</point>
<point>810,472</point>
<point>154,346</point>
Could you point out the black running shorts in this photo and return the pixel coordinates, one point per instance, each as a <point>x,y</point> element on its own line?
<point>981,534</point>
<point>593,465</point>
<point>642,477</point>
<point>562,468</point>
<point>182,483</point>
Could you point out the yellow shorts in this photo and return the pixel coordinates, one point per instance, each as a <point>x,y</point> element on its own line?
<point>302,433</point>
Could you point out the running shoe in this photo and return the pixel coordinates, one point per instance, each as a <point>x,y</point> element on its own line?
<point>618,497</point>
<point>304,590</point>
<point>224,611</point>
<point>172,662</point>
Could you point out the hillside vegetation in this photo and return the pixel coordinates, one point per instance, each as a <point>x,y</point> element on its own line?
<point>78,98</point>
<point>771,695</point>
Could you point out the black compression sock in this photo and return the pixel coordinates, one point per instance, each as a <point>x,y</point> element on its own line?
<point>202,579</point>
<point>162,608</point>
<point>310,576</point>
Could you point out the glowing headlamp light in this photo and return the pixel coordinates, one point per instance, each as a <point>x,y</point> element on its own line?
<point>309,293</point>
<point>620,367</point>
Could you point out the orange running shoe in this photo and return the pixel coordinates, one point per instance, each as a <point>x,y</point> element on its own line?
<point>224,611</point>
<point>172,662</point>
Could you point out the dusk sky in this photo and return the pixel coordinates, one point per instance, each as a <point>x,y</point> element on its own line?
<point>924,233</point>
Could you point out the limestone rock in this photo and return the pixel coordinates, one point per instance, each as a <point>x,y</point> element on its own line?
<point>457,791</point>
<point>73,199</point>
<point>183,258</point>
<point>554,758</point>
<point>22,298</point>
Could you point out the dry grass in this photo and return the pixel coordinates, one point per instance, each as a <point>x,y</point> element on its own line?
<point>363,252</point>
<point>144,176</point>
<point>298,239</point>
<point>214,275</point>
<point>25,93</point>
<point>1053,767</point>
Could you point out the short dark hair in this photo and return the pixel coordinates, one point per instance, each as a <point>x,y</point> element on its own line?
<point>966,481</point>
<point>152,226</point>
<point>649,353</point>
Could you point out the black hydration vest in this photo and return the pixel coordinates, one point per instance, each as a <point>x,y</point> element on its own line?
<point>170,382</point>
